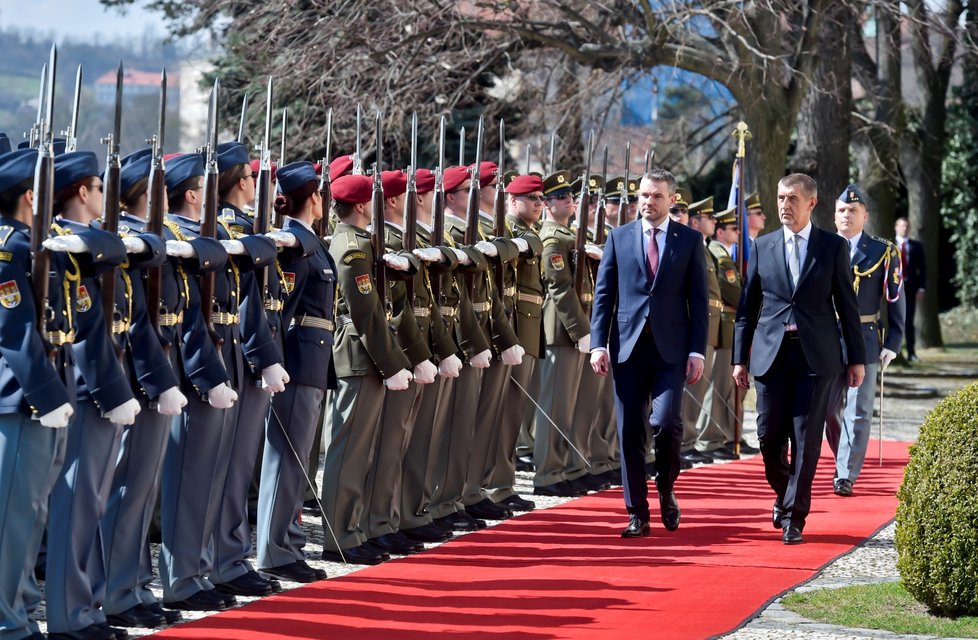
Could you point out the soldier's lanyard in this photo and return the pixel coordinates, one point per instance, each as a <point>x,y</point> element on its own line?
<point>234,268</point>
<point>69,278</point>
<point>179,235</point>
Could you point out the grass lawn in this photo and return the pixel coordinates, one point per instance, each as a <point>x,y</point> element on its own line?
<point>878,606</point>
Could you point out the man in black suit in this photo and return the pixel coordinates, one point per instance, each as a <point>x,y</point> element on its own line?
<point>649,324</point>
<point>787,336</point>
<point>914,277</point>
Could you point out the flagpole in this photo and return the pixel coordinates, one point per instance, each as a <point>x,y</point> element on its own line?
<point>742,134</point>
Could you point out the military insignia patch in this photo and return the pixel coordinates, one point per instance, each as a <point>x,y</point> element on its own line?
<point>289,281</point>
<point>354,255</point>
<point>730,275</point>
<point>227,213</point>
<point>557,262</point>
<point>551,241</point>
<point>6,256</point>
<point>364,285</point>
<point>84,300</point>
<point>9,294</point>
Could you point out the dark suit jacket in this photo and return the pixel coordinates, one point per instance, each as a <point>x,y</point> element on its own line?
<point>626,298</point>
<point>915,276</point>
<point>824,289</point>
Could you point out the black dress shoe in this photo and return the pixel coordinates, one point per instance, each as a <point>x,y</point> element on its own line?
<point>842,487</point>
<point>229,599</point>
<point>517,503</point>
<point>613,476</point>
<point>117,633</point>
<point>777,516</point>
<point>318,574</point>
<point>486,509</point>
<point>295,572</point>
<point>91,632</point>
<point>200,601</point>
<point>391,543</point>
<point>427,533</point>
<point>637,528</point>
<point>364,554</point>
<point>249,584</point>
<point>593,483</point>
<point>171,617</point>
<point>695,457</point>
<point>722,454</point>
<point>670,512</point>
<point>791,535</point>
<point>137,616</point>
<point>462,521</point>
<point>525,463</point>
<point>562,489</point>
<point>311,507</point>
<point>745,449</point>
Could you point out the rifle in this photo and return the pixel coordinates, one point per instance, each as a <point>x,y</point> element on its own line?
<point>276,217</point>
<point>583,209</point>
<point>263,185</point>
<point>44,203</point>
<point>377,221</point>
<point>324,187</point>
<point>527,161</point>
<point>602,200</point>
<point>154,208</point>
<point>623,206</point>
<point>461,147</point>
<point>71,133</point>
<point>438,208</point>
<point>553,153</point>
<point>648,161</point>
<point>472,206</point>
<point>208,223</point>
<point>110,199</point>
<point>244,117</point>
<point>34,136</point>
<point>357,157</point>
<point>410,240</point>
<point>499,207</point>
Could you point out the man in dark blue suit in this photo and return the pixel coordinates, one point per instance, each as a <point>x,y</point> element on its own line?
<point>649,325</point>
<point>787,336</point>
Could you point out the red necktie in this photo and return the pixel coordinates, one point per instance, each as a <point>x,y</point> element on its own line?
<point>653,254</point>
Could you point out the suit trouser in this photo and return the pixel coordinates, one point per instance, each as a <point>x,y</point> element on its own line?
<point>560,379</point>
<point>604,428</point>
<point>791,404</point>
<point>848,422</point>
<point>232,532</point>
<point>351,434</point>
<point>29,466</point>
<point>75,565</point>
<point>125,525</point>
<point>190,477</point>
<point>910,331</point>
<point>457,443</point>
<point>485,441</point>
<point>424,444</point>
<point>502,472</point>
<point>718,427</point>
<point>649,393</point>
<point>524,443</point>
<point>382,495</point>
<point>697,401</point>
<point>289,432</point>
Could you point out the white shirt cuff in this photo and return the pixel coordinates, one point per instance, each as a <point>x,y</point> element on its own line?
<point>693,354</point>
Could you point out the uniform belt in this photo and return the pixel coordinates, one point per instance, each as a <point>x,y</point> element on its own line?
<point>313,321</point>
<point>482,306</point>
<point>870,318</point>
<point>224,318</point>
<point>447,312</point>
<point>716,304</point>
<point>509,292</point>
<point>171,319</point>
<point>529,297</point>
<point>274,305</point>
<point>729,309</point>
<point>343,320</point>
<point>58,338</point>
<point>120,326</point>
<point>421,312</point>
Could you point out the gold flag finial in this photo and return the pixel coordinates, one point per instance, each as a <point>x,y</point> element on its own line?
<point>742,133</point>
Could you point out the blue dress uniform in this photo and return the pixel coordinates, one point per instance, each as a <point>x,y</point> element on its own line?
<point>31,385</point>
<point>310,278</point>
<point>876,277</point>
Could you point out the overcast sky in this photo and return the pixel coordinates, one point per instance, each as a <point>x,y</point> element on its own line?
<point>77,18</point>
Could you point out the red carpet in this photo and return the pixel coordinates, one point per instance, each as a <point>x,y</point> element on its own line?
<point>566,573</point>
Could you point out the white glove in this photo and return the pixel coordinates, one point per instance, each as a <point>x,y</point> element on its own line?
<point>463,258</point>
<point>486,248</point>
<point>521,244</point>
<point>57,419</point>
<point>170,402</point>
<point>886,357</point>
<point>513,356</point>
<point>274,378</point>
<point>396,262</point>
<point>399,381</point>
<point>125,413</point>
<point>233,247</point>
<point>593,251</point>
<point>135,244</point>
<point>283,238</point>
<point>481,360</point>
<point>222,396</point>
<point>584,344</point>
<point>69,244</point>
<point>425,372</point>
<point>450,367</point>
<point>428,254</point>
<point>179,249</point>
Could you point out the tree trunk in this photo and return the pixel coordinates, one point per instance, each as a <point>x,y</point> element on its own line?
<point>771,138</point>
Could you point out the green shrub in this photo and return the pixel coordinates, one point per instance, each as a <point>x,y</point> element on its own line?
<point>937,519</point>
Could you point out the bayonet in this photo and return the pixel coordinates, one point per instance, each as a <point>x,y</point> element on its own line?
<point>438,210</point>
<point>357,156</point>
<point>324,179</point>
<point>244,118</point>
<point>34,136</point>
<point>43,206</point>
<point>602,200</point>
<point>461,147</point>
<point>377,219</point>
<point>623,203</point>
<point>154,208</point>
<point>71,133</point>
<point>553,153</point>
<point>263,184</point>
<point>499,206</point>
<point>410,240</point>
<point>527,170</point>
<point>583,209</point>
<point>276,218</point>
<point>208,223</point>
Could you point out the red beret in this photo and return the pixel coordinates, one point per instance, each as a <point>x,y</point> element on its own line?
<point>487,172</point>
<point>318,168</point>
<point>256,167</point>
<point>394,183</point>
<point>522,185</point>
<point>351,189</point>
<point>340,166</point>
<point>424,180</point>
<point>454,176</point>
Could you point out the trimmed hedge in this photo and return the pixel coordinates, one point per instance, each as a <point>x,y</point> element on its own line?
<point>937,519</point>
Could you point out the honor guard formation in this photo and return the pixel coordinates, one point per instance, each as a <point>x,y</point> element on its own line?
<point>182,334</point>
